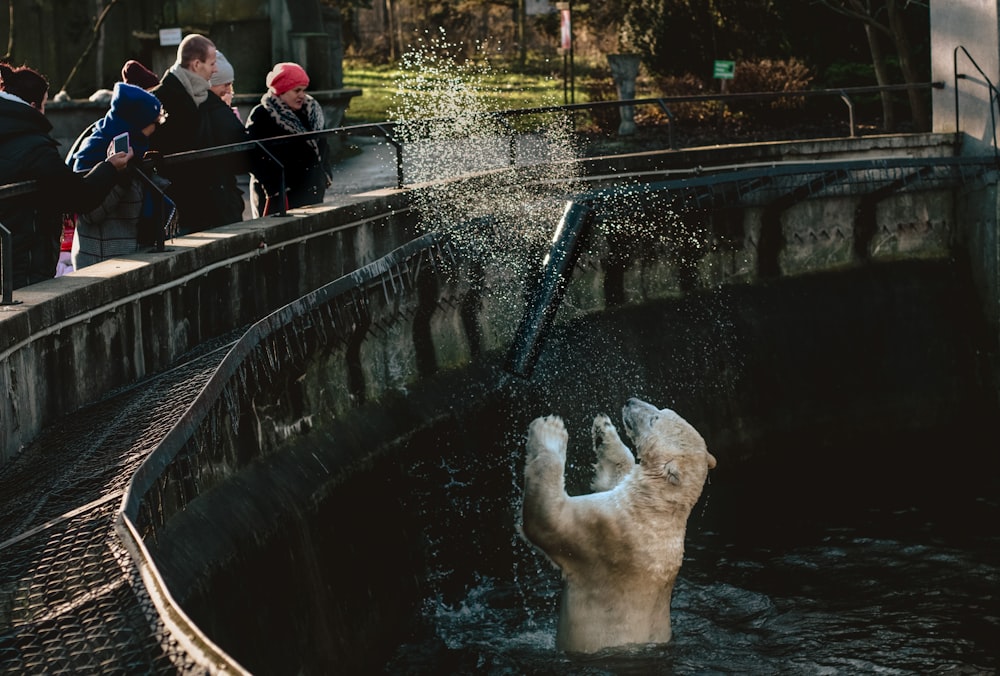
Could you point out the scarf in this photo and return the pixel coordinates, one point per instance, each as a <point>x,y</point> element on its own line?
<point>292,122</point>
<point>195,85</point>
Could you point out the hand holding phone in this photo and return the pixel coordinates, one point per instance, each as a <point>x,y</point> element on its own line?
<point>119,144</point>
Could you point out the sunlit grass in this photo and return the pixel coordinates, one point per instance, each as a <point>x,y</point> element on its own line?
<point>503,89</point>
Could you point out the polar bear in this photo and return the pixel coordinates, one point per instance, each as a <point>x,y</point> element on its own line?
<point>620,549</point>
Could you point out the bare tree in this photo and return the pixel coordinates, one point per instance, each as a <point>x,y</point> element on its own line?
<point>10,32</point>
<point>94,37</point>
<point>885,17</point>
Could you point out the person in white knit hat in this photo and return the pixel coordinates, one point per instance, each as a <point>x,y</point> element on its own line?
<point>222,81</point>
<point>219,126</point>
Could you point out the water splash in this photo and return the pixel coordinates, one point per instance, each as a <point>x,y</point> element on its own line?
<point>448,118</point>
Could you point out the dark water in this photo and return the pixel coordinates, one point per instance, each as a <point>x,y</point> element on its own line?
<point>851,526</point>
<point>830,565</point>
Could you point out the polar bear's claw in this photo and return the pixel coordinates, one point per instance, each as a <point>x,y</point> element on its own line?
<point>614,460</point>
<point>603,428</point>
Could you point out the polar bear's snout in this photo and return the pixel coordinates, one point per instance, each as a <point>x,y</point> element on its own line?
<point>639,417</point>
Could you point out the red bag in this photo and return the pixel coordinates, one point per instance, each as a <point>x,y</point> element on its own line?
<point>68,227</point>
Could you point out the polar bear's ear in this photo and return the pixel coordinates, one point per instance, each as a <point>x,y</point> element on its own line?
<point>673,476</point>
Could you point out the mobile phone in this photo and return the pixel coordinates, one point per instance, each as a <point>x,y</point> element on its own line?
<point>121,143</point>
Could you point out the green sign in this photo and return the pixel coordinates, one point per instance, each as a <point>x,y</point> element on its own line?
<point>725,70</point>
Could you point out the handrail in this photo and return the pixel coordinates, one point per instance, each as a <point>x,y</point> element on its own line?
<point>994,95</point>
<point>6,265</point>
<point>159,243</point>
<point>387,130</point>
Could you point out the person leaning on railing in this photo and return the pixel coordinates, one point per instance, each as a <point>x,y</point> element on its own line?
<point>221,125</point>
<point>286,109</point>
<point>29,153</point>
<point>128,218</point>
<point>182,90</point>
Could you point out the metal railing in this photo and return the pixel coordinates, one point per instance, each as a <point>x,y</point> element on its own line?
<point>994,95</point>
<point>389,132</point>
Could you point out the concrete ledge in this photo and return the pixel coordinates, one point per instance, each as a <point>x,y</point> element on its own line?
<point>73,339</point>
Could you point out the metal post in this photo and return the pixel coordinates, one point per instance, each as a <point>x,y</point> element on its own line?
<point>670,122</point>
<point>850,112</point>
<point>7,265</point>
<point>387,135</point>
<point>281,203</point>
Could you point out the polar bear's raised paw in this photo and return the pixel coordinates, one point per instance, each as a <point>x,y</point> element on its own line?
<point>614,460</point>
<point>547,435</point>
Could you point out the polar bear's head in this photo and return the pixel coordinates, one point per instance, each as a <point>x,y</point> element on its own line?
<point>666,445</point>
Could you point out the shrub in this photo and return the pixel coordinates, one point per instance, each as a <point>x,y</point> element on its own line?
<point>769,75</point>
<point>682,85</point>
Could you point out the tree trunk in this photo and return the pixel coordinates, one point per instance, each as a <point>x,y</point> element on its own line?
<point>90,45</point>
<point>918,101</point>
<point>99,47</point>
<point>896,30</point>
<point>520,33</point>
<point>881,76</point>
<point>10,32</point>
<point>390,17</point>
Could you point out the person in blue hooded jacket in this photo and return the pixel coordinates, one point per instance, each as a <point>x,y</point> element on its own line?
<point>124,221</point>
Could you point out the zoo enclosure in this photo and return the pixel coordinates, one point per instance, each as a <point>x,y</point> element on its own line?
<point>95,558</point>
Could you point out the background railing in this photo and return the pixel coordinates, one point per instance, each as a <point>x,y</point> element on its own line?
<point>389,131</point>
<point>994,94</point>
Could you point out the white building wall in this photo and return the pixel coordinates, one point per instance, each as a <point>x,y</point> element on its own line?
<point>961,29</point>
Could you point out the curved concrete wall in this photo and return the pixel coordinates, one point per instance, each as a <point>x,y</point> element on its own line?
<point>422,342</point>
<point>297,543</point>
<point>71,340</point>
<point>311,558</point>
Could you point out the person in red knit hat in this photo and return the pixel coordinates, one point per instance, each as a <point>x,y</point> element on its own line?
<point>286,109</point>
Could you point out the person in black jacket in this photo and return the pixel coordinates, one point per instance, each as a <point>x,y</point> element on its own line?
<point>286,110</point>
<point>220,125</point>
<point>184,92</point>
<point>28,152</point>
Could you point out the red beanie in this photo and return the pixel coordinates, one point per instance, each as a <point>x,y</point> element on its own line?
<point>134,73</point>
<point>285,76</point>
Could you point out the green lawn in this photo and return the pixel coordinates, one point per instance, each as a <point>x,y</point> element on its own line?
<point>499,89</point>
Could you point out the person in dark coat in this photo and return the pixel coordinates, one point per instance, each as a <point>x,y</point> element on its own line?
<point>221,126</point>
<point>28,152</point>
<point>126,220</point>
<point>183,89</point>
<point>285,109</point>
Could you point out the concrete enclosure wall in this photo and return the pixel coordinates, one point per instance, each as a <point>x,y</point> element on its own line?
<point>73,339</point>
<point>380,381</point>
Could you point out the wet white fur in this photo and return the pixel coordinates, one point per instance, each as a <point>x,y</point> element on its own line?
<point>620,549</point>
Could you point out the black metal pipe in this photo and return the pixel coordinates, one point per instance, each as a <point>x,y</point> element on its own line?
<point>159,244</point>
<point>549,289</point>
